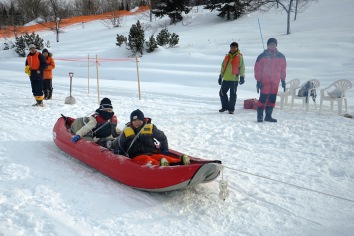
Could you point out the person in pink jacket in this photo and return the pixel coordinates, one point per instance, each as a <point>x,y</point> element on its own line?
<point>269,70</point>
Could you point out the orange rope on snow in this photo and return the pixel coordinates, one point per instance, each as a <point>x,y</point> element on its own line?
<point>9,31</point>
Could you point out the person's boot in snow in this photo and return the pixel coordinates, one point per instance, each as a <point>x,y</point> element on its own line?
<point>268,117</point>
<point>45,94</point>
<point>39,103</point>
<point>50,94</point>
<point>260,114</point>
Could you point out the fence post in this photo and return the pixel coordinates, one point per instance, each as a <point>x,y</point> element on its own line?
<point>137,71</point>
<point>88,73</point>
<point>98,83</point>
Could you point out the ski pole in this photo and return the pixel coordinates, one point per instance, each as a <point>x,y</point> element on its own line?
<point>260,31</point>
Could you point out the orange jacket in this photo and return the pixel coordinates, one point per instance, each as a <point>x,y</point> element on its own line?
<point>47,74</point>
<point>33,61</point>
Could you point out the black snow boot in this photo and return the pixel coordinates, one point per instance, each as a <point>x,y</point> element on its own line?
<point>39,103</point>
<point>45,94</point>
<point>268,117</point>
<point>50,94</point>
<point>260,114</point>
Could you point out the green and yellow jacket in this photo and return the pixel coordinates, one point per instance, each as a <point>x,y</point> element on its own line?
<point>232,66</point>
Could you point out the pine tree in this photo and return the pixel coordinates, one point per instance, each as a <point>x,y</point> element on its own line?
<point>120,40</point>
<point>151,44</point>
<point>163,37</point>
<point>6,46</point>
<point>136,39</point>
<point>47,44</point>
<point>38,42</point>
<point>20,46</point>
<point>172,8</point>
<point>28,39</point>
<point>34,39</point>
<point>229,8</point>
<point>174,39</point>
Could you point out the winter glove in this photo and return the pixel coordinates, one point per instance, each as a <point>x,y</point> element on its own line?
<point>259,86</point>
<point>220,79</point>
<point>283,84</point>
<point>28,70</point>
<point>118,151</point>
<point>75,138</point>
<point>165,152</point>
<point>242,80</point>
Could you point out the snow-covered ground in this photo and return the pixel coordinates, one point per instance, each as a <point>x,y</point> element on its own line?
<point>43,191</point>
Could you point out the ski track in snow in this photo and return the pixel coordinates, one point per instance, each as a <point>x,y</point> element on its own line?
<point>41,204</point>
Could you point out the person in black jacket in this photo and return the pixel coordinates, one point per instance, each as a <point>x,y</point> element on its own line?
<point>145,143</point>
<point>35,65</point>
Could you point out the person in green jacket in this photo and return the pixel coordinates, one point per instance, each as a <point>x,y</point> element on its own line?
<point>232,72</point>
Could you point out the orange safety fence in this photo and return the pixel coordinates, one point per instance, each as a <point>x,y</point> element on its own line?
<point>9,31</point>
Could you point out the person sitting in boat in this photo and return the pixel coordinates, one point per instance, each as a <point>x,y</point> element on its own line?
<point>138,142</point>
<point>99,127</point>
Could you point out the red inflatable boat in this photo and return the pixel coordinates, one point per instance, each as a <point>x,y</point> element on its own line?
<point>124,170</point>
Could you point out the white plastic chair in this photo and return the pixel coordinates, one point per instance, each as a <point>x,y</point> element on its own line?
<point>316,84</point>
<point>289,91</point>
<point>337,94</point>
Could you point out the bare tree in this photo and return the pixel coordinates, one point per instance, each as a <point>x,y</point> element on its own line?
<point>301,6</point>
<point>152,5</point>
<point>30,9</point>
<point>288,6</point>
<point>86,7</point>
<point>55,11</point>
<point>14,20</point>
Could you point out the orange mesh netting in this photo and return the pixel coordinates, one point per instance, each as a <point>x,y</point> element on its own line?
<point>9,31</point>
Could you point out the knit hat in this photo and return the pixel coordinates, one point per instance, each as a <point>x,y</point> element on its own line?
<point>234,44</point>
<point>137,114</point>
<point>32,46</point>
<point>106,103</point>
<point>272,40</point>
<point>45,50</point>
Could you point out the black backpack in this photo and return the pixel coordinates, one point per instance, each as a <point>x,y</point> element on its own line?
<point>303,92</point>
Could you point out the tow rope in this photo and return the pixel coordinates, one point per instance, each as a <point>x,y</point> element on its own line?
<point>224,193</point>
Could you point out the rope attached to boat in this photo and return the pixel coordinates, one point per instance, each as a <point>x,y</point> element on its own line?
<point>279,181</point>
<point>224,192</point>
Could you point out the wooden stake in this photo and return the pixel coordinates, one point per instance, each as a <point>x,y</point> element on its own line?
<point>137,72</point>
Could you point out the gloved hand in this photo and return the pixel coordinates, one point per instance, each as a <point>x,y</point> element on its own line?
<point>165,152</point>
<point>28,70</point>
<point>283,84</point>
<point>118,151</point>
<point>220,79</point>
<point>75,138</point>
<point>242,80</point>
<point>259,86</point>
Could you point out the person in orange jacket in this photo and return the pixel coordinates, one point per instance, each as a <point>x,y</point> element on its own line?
<point>35,65</point>
<point>232,73</point>
<point>48,75</point>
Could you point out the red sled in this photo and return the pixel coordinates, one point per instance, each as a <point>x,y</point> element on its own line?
<point>126,171</point>
<point>250,103</point>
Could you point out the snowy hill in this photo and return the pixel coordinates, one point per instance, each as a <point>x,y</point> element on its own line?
<point>43,191</point>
